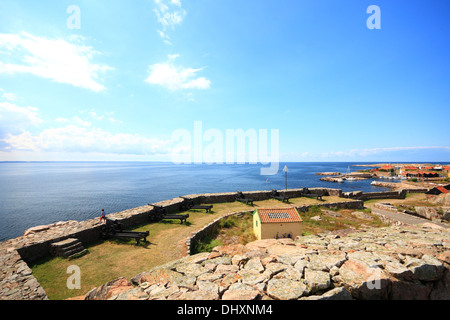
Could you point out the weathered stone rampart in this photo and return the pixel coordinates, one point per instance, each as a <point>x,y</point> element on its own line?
<point>35,245</point>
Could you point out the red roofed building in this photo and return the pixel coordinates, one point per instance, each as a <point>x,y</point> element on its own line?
<point>387,168</point>
<point>424,174</point>
<point>275,223</point>
<point>438,190</point>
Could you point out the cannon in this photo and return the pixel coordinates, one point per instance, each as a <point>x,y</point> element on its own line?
<point>158,213</point>
<point>276,195</point>
<point>114,229</point>
<point>241,198</point>
<point>188,204</point>
<point>318,194</point>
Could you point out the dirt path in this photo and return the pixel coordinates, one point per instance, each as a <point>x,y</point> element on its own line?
<point>406,218</point>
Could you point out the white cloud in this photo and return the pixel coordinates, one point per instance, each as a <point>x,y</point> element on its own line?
<point>169,14</point>
<point>55,59</point>
<point>108,116</point>
<point>14,118</point>
<point>361,153</point>
<point>95,116</point>
<point>73,138</point>
<point>175,77</point>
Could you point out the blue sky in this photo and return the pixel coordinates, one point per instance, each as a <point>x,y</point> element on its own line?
<point>117,87</point>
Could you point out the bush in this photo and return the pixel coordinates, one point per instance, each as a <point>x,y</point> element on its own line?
<point>227,223</point>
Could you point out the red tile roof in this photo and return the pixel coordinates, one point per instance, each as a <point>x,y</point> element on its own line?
<point>277,215</point>
<point>442,189</point>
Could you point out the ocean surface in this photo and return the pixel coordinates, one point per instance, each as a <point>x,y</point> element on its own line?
<point>39,193</point>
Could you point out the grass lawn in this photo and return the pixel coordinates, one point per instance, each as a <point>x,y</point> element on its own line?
<point>111,259</point>
<point>412,199</point>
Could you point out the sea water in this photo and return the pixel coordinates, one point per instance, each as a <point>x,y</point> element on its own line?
<point>39,193</point>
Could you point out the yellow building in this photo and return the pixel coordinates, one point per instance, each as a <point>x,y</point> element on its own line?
<point>275,223</point>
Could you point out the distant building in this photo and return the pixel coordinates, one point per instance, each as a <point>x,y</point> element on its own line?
<point>420,174</point>
<point>438,190</point>
<point>275,223</point>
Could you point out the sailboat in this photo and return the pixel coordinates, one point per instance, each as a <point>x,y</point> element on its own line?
<point>347,175</point>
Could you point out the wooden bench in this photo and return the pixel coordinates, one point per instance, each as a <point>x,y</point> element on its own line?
<point>132,235</point>
<point>182,217</point>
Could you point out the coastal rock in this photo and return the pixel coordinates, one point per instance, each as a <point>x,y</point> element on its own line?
<point>325,261</point>
<point>159,276</point>
<point>317,280</point>
<point>364,281</point>
<point>426,269</point>
<point>410,290</point>
<point>199,295</point>
<point>250,294</point>
<point>254,265</point>
<point>428,212</point>
<point>36,229</point>
<point>328,173</point>
<point>110,289</point>
<point>284,289</point>
<point>339,293</point>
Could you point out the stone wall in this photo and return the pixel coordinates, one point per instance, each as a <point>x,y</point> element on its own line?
<point>35,244</point>
<point>207,230</point>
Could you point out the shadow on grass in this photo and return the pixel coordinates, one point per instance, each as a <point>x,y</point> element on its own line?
<point>167,221</point>
<point>131,242</point>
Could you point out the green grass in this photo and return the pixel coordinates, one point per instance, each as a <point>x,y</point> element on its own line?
<point>343,221</point>
<point>238,228</point>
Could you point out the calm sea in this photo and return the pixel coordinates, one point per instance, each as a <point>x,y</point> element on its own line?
<point>37,193</point>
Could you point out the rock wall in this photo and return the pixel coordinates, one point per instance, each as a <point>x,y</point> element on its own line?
<point>382,263</point>
<point>16,278</point>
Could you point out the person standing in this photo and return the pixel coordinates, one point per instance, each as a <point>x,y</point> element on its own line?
<point>103,215</point>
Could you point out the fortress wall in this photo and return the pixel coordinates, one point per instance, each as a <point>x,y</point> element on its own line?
<point>36,245</point>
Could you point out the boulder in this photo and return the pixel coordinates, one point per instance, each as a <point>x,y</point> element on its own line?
<point>427,268</point>
<point>159,276</point>
<point>109,289</point>
<point>428,212</point>
<point>284,289</point>
<point>339,293</point>
<point>364,281</point>
<point>317,280</point>
<point>409,290</point>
